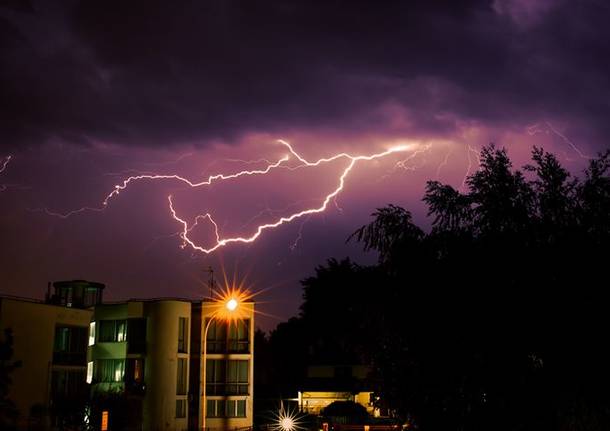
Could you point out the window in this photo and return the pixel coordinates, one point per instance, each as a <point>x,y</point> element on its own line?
<point>70,345</point>
<point>226,377</point>
<point>68,384</point>
<point>180,408</point>
<point>112,331</point>
<point>217,337</point>
<point>135,371</point>
<point>109,370</point>
<point>239,335</point>
<point>92,333</point>
<point>183,332</point>
<point>136,335</point>
<point>232,337</point>
<point>181,367</point>
<point>89,372</point>
<point>226,409</point>
<point>237,377</point>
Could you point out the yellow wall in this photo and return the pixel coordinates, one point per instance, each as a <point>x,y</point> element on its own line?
<point>33,326</point>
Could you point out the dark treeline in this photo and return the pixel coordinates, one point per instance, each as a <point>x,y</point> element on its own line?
<point>496,319</point>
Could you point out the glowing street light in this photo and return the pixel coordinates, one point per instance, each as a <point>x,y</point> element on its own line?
<point>287,420</point>
<point>232,304</point>
<point>226,309</point>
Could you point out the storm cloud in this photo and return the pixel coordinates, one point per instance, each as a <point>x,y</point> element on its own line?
<point>158,73</point>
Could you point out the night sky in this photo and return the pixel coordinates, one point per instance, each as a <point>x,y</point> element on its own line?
<point>93,92</point>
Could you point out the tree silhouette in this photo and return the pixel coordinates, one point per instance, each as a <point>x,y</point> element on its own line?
<point>494,319</point>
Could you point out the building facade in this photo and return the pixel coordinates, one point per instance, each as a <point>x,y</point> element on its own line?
<point>326,384</point>
<point>50,341</point>
<point>159,364</point>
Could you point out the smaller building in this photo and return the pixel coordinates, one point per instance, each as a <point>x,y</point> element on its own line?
<point>326,384</point>
<point>50,342</point>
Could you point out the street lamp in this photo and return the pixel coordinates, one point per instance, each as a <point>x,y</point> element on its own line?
<point>226,310</point>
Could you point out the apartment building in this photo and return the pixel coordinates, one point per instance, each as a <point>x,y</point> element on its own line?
<point>50,341</point>
<point>155,364</point>
<point>150,351</point>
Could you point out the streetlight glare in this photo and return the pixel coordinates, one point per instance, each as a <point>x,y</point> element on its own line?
<point>287,423</point>
<point>232,304</point>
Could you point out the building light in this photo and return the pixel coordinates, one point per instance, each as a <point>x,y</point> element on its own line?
<point>92,333</point>
<point>89,372</point>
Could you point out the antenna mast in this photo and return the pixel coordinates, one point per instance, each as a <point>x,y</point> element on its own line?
<point>211,281</point>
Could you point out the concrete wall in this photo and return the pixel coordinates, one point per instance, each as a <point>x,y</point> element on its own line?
<point>161,365</point>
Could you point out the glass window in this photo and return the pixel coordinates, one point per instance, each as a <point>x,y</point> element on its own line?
<point>68,384</point>
<point>240,408</point>
<point>232,337</point>
<point>181,382</point>
<point>226,409</point>
<point>135,370</point>
<point>62,340</point>
<point>112,331</point>
<point>237,377</point>
<point>89,372</point>
<point>239,335</point>
<point>92,333</point>
<point>182,334</point>
<point>226,377</point>
<point>109,370</point>
<point>121,330</point>
<point>213,408</point>
<point>216,341</point>
<point>136,335</point>
<point>70,345</point>
<point>180,408</point>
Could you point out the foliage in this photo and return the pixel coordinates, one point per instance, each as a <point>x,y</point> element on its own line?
<point>494,318</point>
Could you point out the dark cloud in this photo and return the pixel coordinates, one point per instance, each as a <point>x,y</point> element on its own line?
<point>157,73</point>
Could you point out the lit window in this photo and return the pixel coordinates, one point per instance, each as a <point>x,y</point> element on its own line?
<point>121,331</point>
<point>89,372</point>
<point>92,333</point>
<point>109,370</point>
<point>226,409</point>
<point>112,331</point>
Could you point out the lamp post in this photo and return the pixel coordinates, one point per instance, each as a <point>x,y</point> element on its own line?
<point>226,310</point>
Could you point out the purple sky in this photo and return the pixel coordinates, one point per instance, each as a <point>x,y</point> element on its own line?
<point>92,92</point>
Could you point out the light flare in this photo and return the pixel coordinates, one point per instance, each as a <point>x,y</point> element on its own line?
<point>287,419</point>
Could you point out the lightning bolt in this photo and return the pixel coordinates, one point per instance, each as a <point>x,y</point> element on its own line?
<point>5,163</point>
<point>402,164</point>
<point>536,128</point>
<point>469,149</point>
<point>443,163</point>
<point>221,242</point>
<point>3,166</point>
<point>299,237</point>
